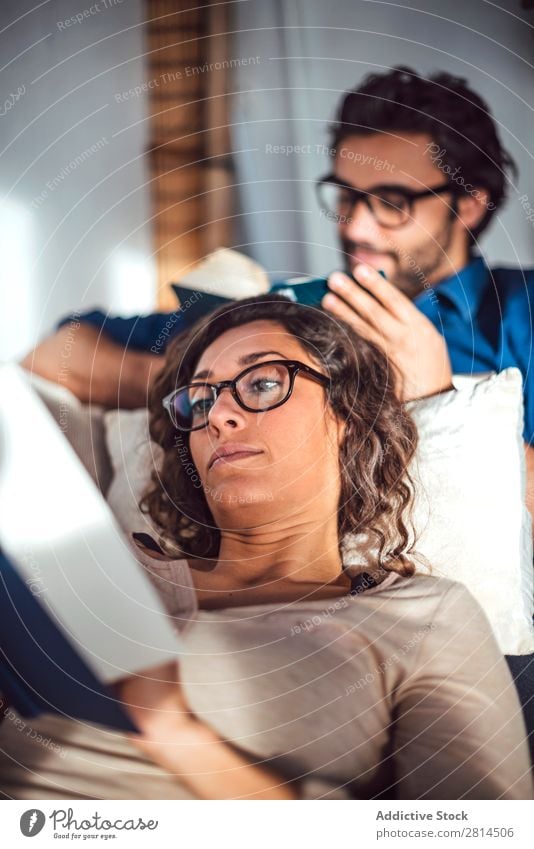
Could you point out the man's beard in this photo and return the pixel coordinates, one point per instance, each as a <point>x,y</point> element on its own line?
<point>415,269</point>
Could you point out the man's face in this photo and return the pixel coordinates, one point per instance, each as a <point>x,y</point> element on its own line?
<point>432,243</point>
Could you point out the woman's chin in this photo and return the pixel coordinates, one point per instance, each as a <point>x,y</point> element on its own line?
<point>236,495</point>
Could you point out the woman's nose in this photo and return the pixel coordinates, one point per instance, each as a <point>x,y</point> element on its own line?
<point>225,411</point>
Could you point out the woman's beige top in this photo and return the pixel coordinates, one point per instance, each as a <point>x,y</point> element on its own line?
<point>400,691</point>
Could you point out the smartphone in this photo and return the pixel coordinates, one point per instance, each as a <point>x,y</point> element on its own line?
<point>308,291</point>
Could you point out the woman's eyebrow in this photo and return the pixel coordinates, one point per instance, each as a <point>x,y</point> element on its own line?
<point>246,360</point>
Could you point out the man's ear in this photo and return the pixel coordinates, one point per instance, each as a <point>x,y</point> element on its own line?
<point>473,206</point>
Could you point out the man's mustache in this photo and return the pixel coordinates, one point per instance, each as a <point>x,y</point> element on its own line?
<point>350,248</point>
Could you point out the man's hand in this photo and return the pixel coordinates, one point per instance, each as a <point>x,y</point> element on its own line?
<point>390,320</point>
<point>93,367</point>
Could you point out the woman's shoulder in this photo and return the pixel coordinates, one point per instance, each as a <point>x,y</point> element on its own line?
<point>419,583</point>
<point>172,580</point>
<point>429,593</point>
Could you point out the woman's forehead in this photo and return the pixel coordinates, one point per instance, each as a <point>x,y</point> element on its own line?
<point>251,338</point>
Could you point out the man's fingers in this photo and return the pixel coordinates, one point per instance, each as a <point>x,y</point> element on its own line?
<point>385,292</point>
<point>367,307</point>
<point>339,308</point>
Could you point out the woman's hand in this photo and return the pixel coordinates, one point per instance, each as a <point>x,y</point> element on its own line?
<point>174,738</point>
<point>156,704</point>
<point>394,324</point>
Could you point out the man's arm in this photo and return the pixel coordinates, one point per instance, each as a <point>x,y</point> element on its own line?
<point>95,368</point>
<point>104,359</point>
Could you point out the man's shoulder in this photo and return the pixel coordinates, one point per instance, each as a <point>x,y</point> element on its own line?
<point>513,282</point>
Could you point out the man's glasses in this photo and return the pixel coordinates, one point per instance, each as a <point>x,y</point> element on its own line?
<point>391,206</point>
<point>256,389</point>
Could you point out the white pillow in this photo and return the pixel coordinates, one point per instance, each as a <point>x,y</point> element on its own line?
<point>133,456</point>
<point>471,518</point>
<point>82,424</point>
<point>470,515</point>
<point>228,273</point>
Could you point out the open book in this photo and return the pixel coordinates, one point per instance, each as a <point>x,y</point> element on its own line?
<point>76,610</point>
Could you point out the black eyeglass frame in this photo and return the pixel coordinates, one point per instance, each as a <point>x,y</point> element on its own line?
<point>357,195</point>
<point>294,367</point>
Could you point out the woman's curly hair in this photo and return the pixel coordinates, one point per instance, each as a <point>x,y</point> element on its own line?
<point>379,440</point>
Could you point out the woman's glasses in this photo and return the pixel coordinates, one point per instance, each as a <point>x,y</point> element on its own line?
<point>391,206</point>
<point>256,389</point>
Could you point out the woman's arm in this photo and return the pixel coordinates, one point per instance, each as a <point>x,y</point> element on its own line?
<point>459,731</point>
<point>174,738</point>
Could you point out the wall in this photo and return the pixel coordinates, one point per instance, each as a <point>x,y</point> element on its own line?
<point>75,211</point>
<point>75,215</point>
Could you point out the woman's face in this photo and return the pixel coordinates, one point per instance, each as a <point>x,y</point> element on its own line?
<point>286,460</point>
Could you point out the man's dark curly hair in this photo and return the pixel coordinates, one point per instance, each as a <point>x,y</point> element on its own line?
<point>379,440</point>
<point>443,106</point>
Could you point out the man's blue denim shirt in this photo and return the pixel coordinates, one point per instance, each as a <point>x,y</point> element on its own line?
<point>484,314</point>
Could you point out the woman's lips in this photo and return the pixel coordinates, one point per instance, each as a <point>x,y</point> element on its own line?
<point>235,455</point>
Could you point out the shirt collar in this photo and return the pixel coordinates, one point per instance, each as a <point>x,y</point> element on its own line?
<point>463,290</point>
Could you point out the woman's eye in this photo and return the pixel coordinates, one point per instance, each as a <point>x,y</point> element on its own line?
<point>263,385</point>
<point>201,407</point>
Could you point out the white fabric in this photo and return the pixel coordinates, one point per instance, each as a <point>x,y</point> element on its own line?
<point>472,520</point>
<point>470,514</point>
<point>228,273</point>
<point>133,456</point>
<point>82,424</point>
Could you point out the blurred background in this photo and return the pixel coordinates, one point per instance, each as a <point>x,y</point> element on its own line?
<point>137,136</point>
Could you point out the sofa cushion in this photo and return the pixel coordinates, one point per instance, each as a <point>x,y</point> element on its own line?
<point>82,424</point>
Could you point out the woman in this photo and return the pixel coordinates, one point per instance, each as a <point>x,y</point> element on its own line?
<point>282,433</point>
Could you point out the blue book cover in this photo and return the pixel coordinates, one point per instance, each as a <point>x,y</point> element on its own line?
<point>77,611</point>
<point>40,671</point>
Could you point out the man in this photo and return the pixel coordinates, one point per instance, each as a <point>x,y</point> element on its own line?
<point>418,174</point>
